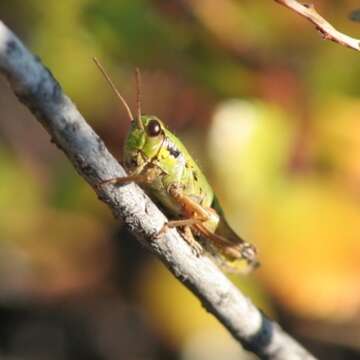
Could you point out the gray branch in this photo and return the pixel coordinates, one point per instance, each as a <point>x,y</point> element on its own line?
<point>35,86</point>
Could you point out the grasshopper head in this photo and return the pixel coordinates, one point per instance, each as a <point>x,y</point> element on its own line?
<point>143,142</point>
<point>146,133</point>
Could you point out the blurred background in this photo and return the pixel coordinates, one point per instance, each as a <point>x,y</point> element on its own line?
<point>272,114</point>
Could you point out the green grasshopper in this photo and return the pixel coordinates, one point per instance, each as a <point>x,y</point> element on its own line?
<point>157,160</point>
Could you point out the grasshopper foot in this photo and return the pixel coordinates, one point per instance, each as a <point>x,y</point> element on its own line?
<point>162,231</point>
<point>196,248</point>
<point>249,253</point>
<point>100,184</point>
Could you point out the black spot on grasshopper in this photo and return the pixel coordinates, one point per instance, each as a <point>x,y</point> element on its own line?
<point>172,149</point>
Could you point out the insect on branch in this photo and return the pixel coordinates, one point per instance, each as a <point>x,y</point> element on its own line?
<point>327,31</point>
<point>37,89</point>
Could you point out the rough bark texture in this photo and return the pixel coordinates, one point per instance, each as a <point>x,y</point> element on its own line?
<point>35,86</point>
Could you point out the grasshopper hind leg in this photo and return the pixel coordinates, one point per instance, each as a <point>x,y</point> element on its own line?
<point>232,255</point>
<point>234,251</point>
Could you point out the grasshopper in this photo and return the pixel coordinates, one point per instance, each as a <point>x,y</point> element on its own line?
<point>158,161</point>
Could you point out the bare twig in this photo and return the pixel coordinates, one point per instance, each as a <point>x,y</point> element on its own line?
<point>327,31</point>
<point>35,86</point>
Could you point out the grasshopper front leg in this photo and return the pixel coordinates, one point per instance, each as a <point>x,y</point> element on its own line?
<point>146,176</point>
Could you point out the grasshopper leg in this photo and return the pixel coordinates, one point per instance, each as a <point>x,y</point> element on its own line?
<point>189,237</point>
<point>122,180</point>
<point>240,250</point>
<point>148,175</point>
<point>190,207</point>
<point>196,216</point>
<point>243,250</point>
<point>185,224</point>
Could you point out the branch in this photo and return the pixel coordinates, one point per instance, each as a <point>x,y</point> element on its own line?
<point>327,31</point>
<point>35,86</point>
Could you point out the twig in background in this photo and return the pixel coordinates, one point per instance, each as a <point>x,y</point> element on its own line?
<point>327,31</point>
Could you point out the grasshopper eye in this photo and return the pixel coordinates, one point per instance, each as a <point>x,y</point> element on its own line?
<point>153,128</point>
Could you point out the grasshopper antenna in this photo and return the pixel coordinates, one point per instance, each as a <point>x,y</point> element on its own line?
<point>112,85</point>
<point>138,97</point>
